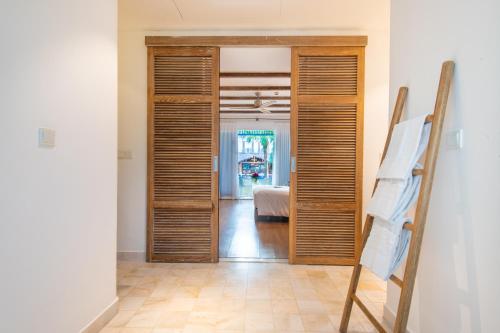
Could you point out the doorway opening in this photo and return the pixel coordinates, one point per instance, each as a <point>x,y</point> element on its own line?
<point>254,150</point>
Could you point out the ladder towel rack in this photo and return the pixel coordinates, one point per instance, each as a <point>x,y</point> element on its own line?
<point>417,228</point>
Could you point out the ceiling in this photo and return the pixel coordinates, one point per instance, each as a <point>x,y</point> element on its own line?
<point>343,15</point>
<point>257,61</point>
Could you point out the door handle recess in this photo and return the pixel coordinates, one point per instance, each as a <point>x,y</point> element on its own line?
<point>215,164</point>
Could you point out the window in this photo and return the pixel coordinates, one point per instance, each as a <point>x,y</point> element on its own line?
<point>255,159</point>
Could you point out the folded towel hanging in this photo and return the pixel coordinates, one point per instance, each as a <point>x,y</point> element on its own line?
<point>393,197</point>
<point>396,192</point>
<point>386,247</point>
<point>408,141</point>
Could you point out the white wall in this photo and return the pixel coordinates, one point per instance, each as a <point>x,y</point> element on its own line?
<point>372,20</point>
<point>256,59</point>
<point>57,206</point>
<point>457,287</point>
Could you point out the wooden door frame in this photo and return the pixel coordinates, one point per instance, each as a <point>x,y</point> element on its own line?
<point>244,41</point>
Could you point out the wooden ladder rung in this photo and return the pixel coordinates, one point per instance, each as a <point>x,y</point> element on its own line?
<point>396,280</point>
<point>368,314</point>
<point>418,172</point>
<point>409,226</point>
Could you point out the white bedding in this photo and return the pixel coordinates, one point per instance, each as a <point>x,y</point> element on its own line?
<point>271,200</point>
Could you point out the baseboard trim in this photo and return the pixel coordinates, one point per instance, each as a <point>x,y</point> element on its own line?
<point>102,318</point>
<point>131,256</point>
<point>389,318</point>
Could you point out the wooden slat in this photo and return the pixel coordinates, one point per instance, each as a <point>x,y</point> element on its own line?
<point>254,88</point>
<point>254,74</point>
<point>409,226</point>
<point>418,172</point>
<point>184,204</point>
<point>256,40</point>
<point>326,205</point>
<point>396,280</point>
<point>368,314</point>
<point>329,99</point>
<point>182,99</point>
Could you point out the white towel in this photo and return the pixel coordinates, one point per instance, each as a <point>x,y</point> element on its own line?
<point>386,247</point>
<point>393,197</point>
<point>408,141</point>
<point>396,192</point>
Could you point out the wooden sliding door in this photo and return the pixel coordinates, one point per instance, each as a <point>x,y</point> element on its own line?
<point>183,122</point>
<point>327,136</point>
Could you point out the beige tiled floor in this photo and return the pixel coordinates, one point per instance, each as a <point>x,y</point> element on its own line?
<point>238,297</point>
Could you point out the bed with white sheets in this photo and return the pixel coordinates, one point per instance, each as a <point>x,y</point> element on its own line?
<point>270,200</point>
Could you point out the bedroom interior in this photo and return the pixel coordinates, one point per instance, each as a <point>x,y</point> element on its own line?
<point>254,152</point>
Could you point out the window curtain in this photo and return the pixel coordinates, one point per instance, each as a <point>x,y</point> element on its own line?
<point>281,163</point>
<point>228,172</point>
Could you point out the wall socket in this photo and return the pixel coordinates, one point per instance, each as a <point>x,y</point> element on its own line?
<point>46,137</point>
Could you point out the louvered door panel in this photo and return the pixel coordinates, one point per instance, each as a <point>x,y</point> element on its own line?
<point>328,75</point>
<point>325,190</point>
<point>182,143</point>
<point>183,151</point>
<point>325,233</point>
<point>183,75</point>
<point>327,151</point>
<point>181,234</point>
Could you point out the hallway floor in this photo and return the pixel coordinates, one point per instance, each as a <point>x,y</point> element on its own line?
<point>231,297</point>
<point>241,237</point>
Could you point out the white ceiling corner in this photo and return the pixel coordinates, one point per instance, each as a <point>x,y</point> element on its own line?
<point>341,15</point>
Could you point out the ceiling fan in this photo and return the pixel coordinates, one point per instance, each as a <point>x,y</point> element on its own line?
<point>258,105</point>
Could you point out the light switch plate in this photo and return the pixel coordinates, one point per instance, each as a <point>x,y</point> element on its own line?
<point>46,137</point>
<point>455,139</point>
<point>124,154</point>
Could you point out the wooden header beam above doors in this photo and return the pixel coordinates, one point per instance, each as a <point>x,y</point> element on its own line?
<point>249,41</point>
<point>244,98</point>
<point>249,111</point>
<point>251,105</point>
<point>253,88</point>
<point>253,74</point>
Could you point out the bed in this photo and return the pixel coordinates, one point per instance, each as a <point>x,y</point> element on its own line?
<point>271,200</point>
